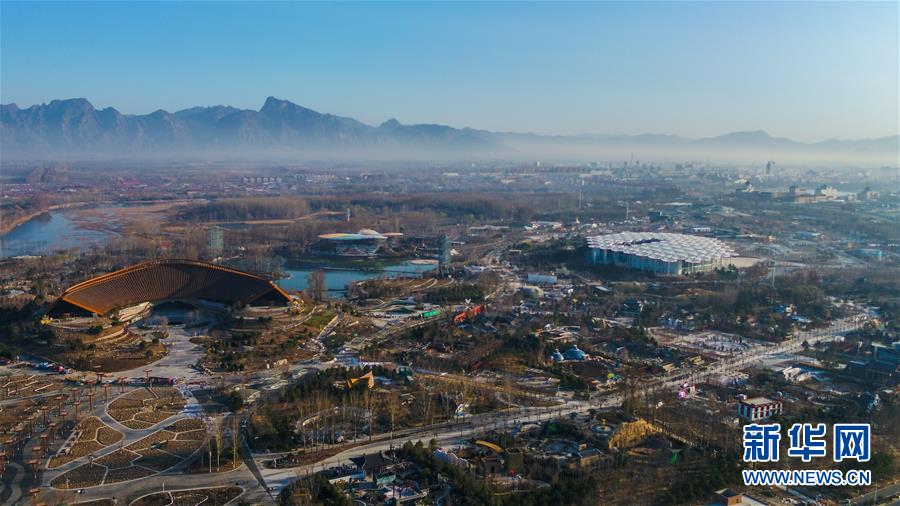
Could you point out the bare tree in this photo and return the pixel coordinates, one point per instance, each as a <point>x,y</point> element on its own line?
<point>316,284</point>
<point>217,435</point>
<point>234,442</point>
<point>393,408</point>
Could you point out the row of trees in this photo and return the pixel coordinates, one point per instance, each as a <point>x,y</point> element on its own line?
<point>464,207</point>
<point>572,488</point>
<point>248,208</point>
<point>454,294</point>
<point>313,489</point>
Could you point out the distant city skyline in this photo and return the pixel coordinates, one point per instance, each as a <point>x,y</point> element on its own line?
<point>806,71</point>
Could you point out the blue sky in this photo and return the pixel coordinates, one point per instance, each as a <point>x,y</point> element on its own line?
<point>808,71</point>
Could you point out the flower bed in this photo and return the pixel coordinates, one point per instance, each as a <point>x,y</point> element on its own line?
<point>157,460</point>
<point>154,417</point>
<point>108,436</point>
<point>117,459</point>
<point>87,475</point>
<point>122,414</point>
<point>187,424</point>
<point>157,437</point>
<point>126,474</point>
<point>143,408</point>
<point>75,452</point>
<point>216,496</point>
<point>137,424</point>
<point>92,436</point>
<point>192,435</point>
<point>183,449</point>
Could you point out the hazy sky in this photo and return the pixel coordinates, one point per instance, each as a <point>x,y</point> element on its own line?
<point>808,71</point>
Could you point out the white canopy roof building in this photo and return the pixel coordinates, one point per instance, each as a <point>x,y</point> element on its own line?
<point>663,254</point>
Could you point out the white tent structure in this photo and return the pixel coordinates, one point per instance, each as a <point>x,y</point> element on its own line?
<point>660,253</point>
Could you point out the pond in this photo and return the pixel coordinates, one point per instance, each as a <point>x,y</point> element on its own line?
<point>337,279</point>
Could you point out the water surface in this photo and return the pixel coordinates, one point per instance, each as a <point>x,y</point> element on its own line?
<point>337,280</point>
<point>53,231</point>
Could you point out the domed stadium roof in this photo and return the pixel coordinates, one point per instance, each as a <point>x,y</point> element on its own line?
<point>365,234</point>
<point>574,353</point>
<point>667,247</point>
<point>167,279</point>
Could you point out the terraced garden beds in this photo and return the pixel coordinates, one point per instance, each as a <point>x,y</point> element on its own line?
<point>155,453</point>
<point>146,407</point>
<point>206,496</point>
<point>92,436</point>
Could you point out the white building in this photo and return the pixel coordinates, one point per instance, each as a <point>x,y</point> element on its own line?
<point>660,253</point>
<point>795,374</point>
<point>759,408</point>
<point>542,279</point>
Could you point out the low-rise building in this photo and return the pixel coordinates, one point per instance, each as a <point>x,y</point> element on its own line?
<point>759,408</point>
<point>728,497</point>
<point>344,474</point>
<point>542,279</point>
<point>795,374</point>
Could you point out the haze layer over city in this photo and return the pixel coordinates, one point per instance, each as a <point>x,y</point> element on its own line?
<point>612,253</point>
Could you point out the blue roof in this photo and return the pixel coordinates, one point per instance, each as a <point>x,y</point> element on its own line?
<point>574,353</point>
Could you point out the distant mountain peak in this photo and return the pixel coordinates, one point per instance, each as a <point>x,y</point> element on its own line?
<point>73,127</point>
<point>745,134</point>
<point>273,104</point>
<point>391,123</point>
<point>762,134</point>
<point>80,101</point>
<point>71,104</point>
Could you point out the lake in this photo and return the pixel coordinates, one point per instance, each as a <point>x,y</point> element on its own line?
<point>337,280</point>
<point>52,231</point>
<point>68,229</point>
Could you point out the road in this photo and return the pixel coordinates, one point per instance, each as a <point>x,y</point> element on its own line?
<point>836,329</point>
<point>178,363</point>
<point>171,479</point>
<point>360,342</point>
<point>452,434</point>
<point>446,434</point>
<point>180,357</point>
<point>257,479</point>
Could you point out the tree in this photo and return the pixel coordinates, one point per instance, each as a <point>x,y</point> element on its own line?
<point>235,401</point>
<point>316,488</point>
<point>217,435</point>
<point>315,282</point>
<point>393,409</point>
<point>234,435</point>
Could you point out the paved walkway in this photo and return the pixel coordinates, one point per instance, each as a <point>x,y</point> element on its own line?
<point>11,485</point>
<point>130,436</point>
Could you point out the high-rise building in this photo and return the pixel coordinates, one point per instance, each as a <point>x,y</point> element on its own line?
<point>215,241</point>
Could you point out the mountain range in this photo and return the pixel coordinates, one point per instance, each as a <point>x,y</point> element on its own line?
<point>282,129</point>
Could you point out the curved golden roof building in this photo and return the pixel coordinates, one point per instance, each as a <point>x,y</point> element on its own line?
<point>168,279</point>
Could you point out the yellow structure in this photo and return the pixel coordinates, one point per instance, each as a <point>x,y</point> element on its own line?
<point>368,377</point>
<point>631,434</point>
<point>492,446</point>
